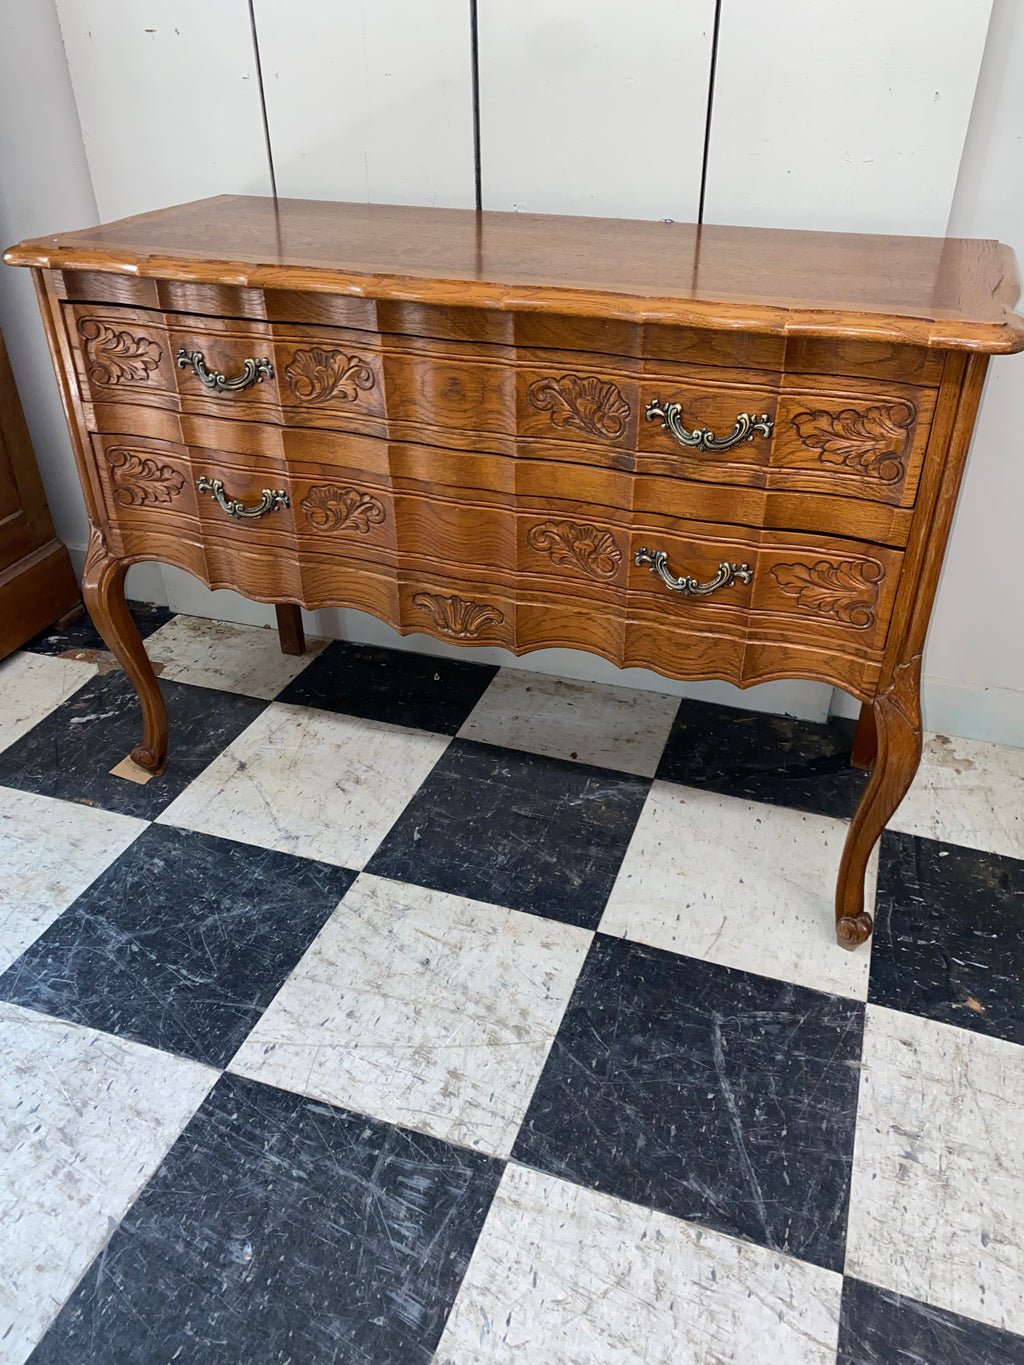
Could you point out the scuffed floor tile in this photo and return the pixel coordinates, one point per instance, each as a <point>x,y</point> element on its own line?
<point>564,1276</point>
<point>937,1197</point>
<point>423,1009</point>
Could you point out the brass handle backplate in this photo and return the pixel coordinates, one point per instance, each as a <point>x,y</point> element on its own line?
<point>701,438</point>
<point>727,573</point>
<point>253,372</point>
<point>271,500</point>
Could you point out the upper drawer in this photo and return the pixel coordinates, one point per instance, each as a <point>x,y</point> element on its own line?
<point>860,438</point>
<point>224,367</point>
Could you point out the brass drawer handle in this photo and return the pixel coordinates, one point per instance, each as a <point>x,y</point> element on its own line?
<point>271,500</point>
<point>689,587</point>
<point>702,438</point>
<point>253,372</point>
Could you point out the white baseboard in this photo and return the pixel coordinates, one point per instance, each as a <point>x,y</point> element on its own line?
<point>964,710</point>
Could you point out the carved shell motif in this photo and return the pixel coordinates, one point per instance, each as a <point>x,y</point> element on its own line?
<point>317,375</point>
<point>573,545</point>
<point>871,441</point>
<point>330,508</point>
<point>585,402</point>
<point>114,357</point>
<point>142,482</point>
<point>847,590</point>
<point>455,616</point>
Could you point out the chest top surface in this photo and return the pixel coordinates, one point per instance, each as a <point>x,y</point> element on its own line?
<point>948,293</point>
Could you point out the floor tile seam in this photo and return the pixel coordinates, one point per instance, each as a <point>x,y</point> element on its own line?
<point>737,1239</point>
<point>556,758</point>
<point>950,843</point>
<point>115,1037</point>
<point>929,1017</point>
<point>929,1303</point>
<point>229,1070</point>
<point>388,726</point>
<point>749,799</point>
<point>987,1039</point>
<point>570,764</point>
<point>739,971</point>
<point>158,819</point>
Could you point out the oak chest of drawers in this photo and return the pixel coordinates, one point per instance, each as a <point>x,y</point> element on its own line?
<point>716,453</point>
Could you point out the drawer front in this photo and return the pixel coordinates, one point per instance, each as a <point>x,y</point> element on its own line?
<point>848,438</point>
<point>515,543</point>
<point>226,368</point>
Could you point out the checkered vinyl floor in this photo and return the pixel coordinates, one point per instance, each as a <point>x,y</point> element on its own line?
<point>425,1012</point>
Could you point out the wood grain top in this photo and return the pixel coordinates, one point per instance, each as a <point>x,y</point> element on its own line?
<point>941,292</point>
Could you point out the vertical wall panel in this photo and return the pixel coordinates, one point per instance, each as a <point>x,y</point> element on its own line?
<point>592,107</point>
<point>846,115</point>
<point>369,99</point>
<point>168,100</point>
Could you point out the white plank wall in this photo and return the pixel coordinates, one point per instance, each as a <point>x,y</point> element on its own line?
<point>588,107</point>
<point>168,100</point>
<point>369,100</point>
<point>833,114</point>
<point>842,115</point>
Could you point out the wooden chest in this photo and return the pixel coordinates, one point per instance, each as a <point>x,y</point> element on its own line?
<point>716,453</point>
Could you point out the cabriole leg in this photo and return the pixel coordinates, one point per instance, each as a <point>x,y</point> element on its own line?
<point>897,725</point>
<point>103,594</point>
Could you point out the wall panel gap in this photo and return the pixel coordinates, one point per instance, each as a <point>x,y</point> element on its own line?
<point>711,105</point>
<point>263,99</point>
<point>474,31</point>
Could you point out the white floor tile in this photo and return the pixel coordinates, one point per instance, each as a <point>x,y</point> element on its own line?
<point>423,1009</point>
<point>967,792</point>
<point>221,654</point>
<point>937,1198</point>
<point>85,1119</point>
<point>740,883</point>
<point>309,782</point>
<point>31,685</point>
<point>50,851</point>
<point>564,1276</point>
<point>609,727</point>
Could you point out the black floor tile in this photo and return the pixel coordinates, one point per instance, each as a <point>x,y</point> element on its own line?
<point>82,634</point>
<point>878,1327</point>
<point>711,1094</point>
<point>69,754</point>
<point>279,1231</point>
<point>182,943</point>
<point>389,685</point>
<point>764,758</point>
<point>949,935</point>
<point>516,829</point>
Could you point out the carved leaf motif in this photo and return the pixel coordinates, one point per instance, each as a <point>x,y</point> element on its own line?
<point>572,545</point>
<point>455,616</point>
<point>140,481</point>
<point>116,357</point>
<point>873,440</point>
<point>847,590</point>
<point>318,375</point>
<point>330,508</point>
<point>585,402</point>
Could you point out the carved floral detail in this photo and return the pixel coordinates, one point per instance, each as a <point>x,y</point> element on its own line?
<point>140,481</point>
<point>330,508</point>
<point>317,375</point>
<point>455,616</point>
<point>585,402</point>
<point>847,590</point>
<point>871,441</point>
<point>573,545</point>
<point>114,357</point>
